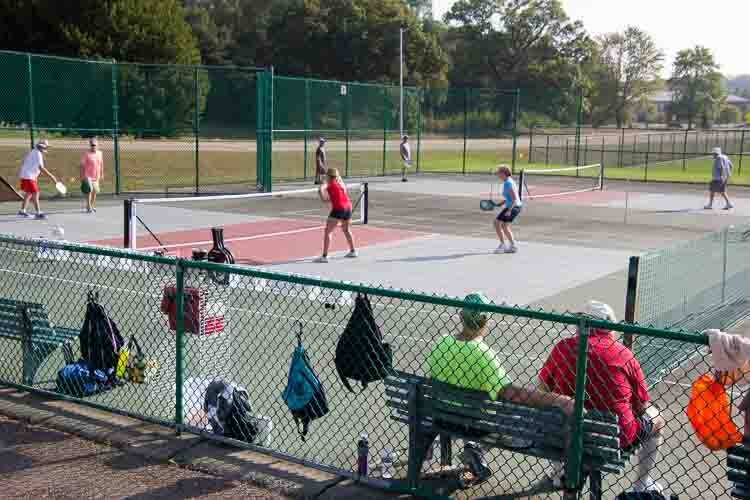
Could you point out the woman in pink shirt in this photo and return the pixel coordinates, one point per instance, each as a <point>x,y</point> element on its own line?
<point>92,171</point>
<point>333,192</point>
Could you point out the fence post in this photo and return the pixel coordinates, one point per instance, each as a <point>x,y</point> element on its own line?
<point>385,126</point>
<point>631,297</point>
<point>742,152</point>
<point>32,118</point>
<point>196,130</point>
<point>466,125</point>
<point>575,453</point>
<point>306,127</point>
<point>116,127</point>
<point>684,151</point>
<point>622,148</point>
<point>420,97</point>
<point>516,117</point>
<point>347,125</point>
<point>602,153</point>
<point>531,144</point>
<point>648,150</point>
<point>546,153</point>
<point>567,140</point>
<point>179,341</point>
<point>579,124</point>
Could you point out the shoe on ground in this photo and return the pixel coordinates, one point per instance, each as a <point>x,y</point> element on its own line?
<point>511,249</point>
<point>729,207</point>
<point>500,248</point>
<point>352,255</point>
<point>89,210</point>
<point>24,213</point>
<point>404,180</point>
<point>708,207</point>
<point>40,216</point>
<point>648,484</point>
<point>321,260</point>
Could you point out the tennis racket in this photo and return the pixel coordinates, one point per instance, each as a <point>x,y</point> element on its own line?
<point>60,188</point>
<point>488,205</point>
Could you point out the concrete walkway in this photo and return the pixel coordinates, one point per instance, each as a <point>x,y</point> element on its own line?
<point>54,449</point>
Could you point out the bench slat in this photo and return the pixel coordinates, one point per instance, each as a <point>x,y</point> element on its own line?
<point>496,413</point>
<point>739,452</point>
<point>737,476</point>
<point>739,463</point>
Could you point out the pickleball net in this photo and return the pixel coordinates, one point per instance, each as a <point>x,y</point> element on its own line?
<point>172,225</point>
<point>554,182</point>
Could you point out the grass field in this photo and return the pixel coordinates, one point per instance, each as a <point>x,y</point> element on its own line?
<point>159,170</point>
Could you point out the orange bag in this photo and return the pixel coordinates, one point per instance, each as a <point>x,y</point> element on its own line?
<point>710,415</point>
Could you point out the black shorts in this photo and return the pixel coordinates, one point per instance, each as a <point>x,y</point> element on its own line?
<point>509,214</point>
<point>340,214</point>
<point>718,186</point>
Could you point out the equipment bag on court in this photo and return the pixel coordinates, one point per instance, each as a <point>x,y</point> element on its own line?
<point>361,354</point>
<point>304,394</point>
<point>100,338</point>
<point>229,411</point>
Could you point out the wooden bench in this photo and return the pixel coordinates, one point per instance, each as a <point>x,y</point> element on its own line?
<point>29,323</point>
<point>428,406</point>
<point>738,468</point>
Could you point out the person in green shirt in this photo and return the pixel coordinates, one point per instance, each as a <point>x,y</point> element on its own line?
<point>467,361</point>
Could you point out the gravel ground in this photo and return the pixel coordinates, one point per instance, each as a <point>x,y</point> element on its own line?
<point>39,463</point>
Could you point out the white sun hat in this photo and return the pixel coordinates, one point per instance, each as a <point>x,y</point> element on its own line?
<point>599,310</point>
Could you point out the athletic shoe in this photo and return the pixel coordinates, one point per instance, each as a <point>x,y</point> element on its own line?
<point>729,207</point>
<point>89,210</point>
<point>500,248</point>
<point>40,216</point>
<point>321,260</point>
<point>708,207</point>
<point>404,180</point>
<point>648,484</point>
<point>24,213</point>
<point>352,255</point>
<point>511,249</point>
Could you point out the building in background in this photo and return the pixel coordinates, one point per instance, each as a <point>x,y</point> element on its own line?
<point>660,103</point>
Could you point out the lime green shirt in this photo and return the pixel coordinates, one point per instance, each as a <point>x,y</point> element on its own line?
<point>469,365</point>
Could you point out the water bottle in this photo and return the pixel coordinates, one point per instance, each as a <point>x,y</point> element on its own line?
<point>387,464</point>
<point>363,449</point>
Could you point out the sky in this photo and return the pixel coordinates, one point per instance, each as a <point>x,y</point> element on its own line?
<point>720,25</point>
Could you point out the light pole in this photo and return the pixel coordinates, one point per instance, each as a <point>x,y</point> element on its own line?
<point>401,81</point>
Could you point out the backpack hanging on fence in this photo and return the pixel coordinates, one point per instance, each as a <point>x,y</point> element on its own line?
<point>710,415</point>
<point>229,411</point>
<point>100,338</point>
<point>79,381</point>
<point>304,394</point>
<point>361,354</point>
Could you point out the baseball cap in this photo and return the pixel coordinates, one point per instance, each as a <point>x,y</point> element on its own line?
<point>598,310</point>
<point>322,139</point>
<point>471,318</point>
<point>716,151</point>
<point>43,144</point>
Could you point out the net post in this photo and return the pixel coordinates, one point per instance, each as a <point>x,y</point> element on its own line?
<point>631,297</point>
<point>521,183</point>
<point>601,176</point>
<point>129,233</point>
<point>365,202</point>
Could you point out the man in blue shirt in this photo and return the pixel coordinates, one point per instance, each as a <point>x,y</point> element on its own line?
<point>510,208</point>
<point>720,173</point>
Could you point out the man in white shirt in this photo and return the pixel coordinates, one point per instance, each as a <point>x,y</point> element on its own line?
<point>405,150</point>
<point>32,167</point>
<point>720,174</point>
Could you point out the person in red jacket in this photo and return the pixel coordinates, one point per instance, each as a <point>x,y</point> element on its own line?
<point>333,191</point>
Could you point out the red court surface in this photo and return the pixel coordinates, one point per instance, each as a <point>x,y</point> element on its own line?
<point>269,241</point>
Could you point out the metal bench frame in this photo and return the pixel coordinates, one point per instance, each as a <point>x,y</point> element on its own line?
<point>425,405</point>
<point>738,468</point>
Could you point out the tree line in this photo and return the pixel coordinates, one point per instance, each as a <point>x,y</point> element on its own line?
<point>503,44</point>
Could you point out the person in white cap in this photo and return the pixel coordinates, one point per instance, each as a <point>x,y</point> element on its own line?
<point>615,383</point>
<point>31,168</point>
<point>720,174</point>
<point>405,151</point>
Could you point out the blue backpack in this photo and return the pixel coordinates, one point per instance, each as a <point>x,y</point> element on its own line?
<point>77,380</point>
<point>304,394</point>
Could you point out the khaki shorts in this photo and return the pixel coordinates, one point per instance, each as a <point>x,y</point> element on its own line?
<point>95,186</point>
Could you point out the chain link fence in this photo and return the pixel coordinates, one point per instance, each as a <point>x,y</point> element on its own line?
<point>195,322</point>
<point>163,128</point>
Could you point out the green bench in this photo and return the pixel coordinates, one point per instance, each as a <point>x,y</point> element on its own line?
<point>28,323</point>
<point>428,406</point>
<point>738,468</point>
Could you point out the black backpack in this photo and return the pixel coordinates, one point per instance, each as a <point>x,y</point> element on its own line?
<point>304,394</point>
<point>100,338</point>
<point>361,354</point>
<point>232,418</point>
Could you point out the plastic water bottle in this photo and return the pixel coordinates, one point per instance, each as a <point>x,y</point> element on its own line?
<point>387,464</point>
<point>363,449</point>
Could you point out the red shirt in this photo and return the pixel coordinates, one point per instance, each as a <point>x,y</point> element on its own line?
<point>337,194</point>
<point>614,379</point>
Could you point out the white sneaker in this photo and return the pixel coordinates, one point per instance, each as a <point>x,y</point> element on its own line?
<point>500,248</point>
<point>708,207</point>
<point>321,260</point>
<point>648,484</point>
<point>729,206</point>
<point>352,255</point>
<point>511,249</point>
<point>24,213</point>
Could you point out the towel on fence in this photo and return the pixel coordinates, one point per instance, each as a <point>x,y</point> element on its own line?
<point>728,351</point>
